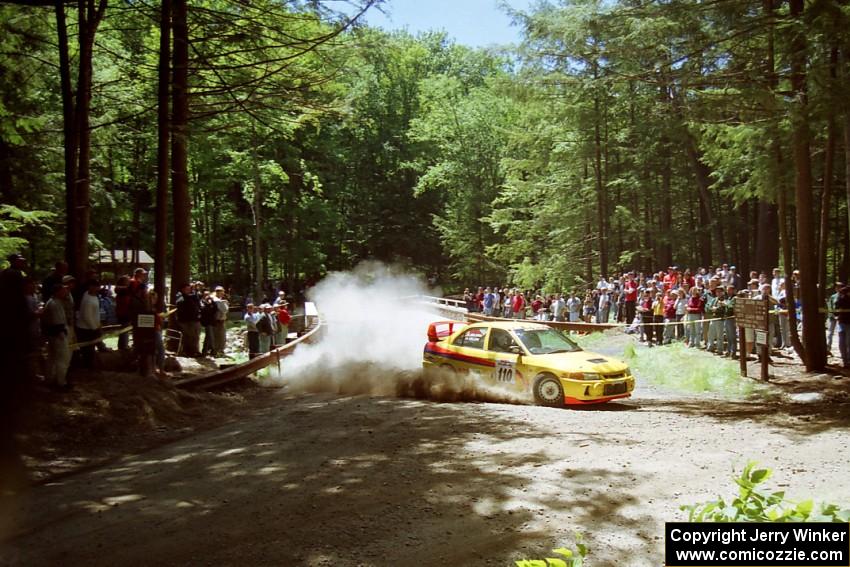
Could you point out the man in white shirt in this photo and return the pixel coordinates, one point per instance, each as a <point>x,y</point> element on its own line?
<point>574,307</point>
<point>604,306</point>
<point>557,308</point>
<point>602,283</point>
<point>88,323</point>
<point>775,283</point>
<point>56,329</point>
<point>219,331</point>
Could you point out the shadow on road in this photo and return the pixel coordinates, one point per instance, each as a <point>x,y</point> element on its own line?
<point>323,480</point>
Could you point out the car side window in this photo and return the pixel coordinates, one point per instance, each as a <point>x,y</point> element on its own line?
<point>501,341</point>
<point>471,338</point>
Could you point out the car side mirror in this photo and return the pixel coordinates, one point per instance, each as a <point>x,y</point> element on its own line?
<point>515,349</point>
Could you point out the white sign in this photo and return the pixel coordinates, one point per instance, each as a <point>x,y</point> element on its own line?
<point>505,371</point>
<point>146,321</point>
<point>761,337</point>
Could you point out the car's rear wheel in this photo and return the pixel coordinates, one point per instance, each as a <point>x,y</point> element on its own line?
<point>548,391</point>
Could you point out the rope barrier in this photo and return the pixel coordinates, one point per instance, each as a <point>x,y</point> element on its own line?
<point>103,335</point>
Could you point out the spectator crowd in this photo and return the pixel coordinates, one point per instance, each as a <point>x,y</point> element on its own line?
<point>65,320</point>
<point>694,307</point>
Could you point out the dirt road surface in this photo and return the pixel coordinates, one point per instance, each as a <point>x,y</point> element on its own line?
<point>323,479</point>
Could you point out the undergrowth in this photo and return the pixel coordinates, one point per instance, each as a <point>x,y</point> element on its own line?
<point>753,503</point>
<point>678,367</point>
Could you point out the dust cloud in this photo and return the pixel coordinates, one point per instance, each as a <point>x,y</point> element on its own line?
<point>373,340</point>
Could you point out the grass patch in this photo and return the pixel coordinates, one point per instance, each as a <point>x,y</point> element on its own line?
<point>678,367</point>
<point>590,341</point>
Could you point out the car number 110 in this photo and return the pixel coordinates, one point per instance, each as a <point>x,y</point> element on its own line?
<point>505,371</point>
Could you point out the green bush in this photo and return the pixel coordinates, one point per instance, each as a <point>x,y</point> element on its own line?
<point>757,504</point>
<point>678,367</point>
<point>568,557</point>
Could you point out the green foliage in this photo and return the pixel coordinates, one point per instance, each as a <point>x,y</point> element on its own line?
<point>755,503</point>
<point>567,557</point>
<point>678,367</point>
<point>14,222</point>
<point>589,139</point>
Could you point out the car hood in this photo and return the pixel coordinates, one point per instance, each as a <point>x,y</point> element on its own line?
<point>582,361</point>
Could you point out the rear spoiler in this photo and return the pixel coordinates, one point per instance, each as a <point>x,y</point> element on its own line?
<point>442,329</point>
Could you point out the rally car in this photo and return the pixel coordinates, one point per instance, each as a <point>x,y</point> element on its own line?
<point>528,357</point>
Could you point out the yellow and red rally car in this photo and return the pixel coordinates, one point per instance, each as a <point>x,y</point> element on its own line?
<point>528,357</point>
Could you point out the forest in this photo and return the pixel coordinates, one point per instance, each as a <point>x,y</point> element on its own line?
<point>245,141</point>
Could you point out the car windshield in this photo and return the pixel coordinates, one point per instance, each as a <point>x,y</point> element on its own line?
<point>546,341</point>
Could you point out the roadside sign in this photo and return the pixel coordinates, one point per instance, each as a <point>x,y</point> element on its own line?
<point>751,313</point>
<point>761,337</point>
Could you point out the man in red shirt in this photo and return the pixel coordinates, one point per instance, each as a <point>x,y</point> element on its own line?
<point>283,319</point>
<point>670,278</point>
<point>518,306</point>
<point>630,288</point>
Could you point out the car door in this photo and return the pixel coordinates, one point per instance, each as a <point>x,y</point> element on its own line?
<point>506,371</point>
<point>468,352</point>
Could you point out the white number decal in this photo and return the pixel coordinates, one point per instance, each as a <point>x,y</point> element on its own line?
<point>505,371</point>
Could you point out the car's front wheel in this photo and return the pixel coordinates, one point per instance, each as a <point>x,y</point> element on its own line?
<point>548,391</point>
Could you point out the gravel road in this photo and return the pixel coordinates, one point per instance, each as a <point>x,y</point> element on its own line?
<point>324,479</point>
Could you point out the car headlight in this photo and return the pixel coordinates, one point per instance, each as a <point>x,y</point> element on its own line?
<point>583,376</point>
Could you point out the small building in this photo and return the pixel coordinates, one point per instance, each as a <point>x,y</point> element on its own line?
<point>121,261</point>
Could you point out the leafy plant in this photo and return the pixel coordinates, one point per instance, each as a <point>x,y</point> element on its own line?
<point>676,366</point>
<point>568,557</point>
<point>14,220</point>
<point>758,504</point>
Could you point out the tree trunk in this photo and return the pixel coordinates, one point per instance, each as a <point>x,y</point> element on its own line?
<point>744,228</point>
<point>825,209</point>
<point>767,238</point>
<point>601,228</point>
<point>89,19</point>
<point>257,209</point>
<point>71,140</point>
<point>162,170</point>
<point>813,328</point>
<point>703,177</point>
<point>788,261</point>
<point>182,244</point>
<point>845,60</point>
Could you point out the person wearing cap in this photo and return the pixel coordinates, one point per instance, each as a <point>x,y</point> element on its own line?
<point>56,329</point>
<point>88,322</point>
<point>715,309</point>
<point>188,306</point>
<point>208,314</point>
<point>764,292</point>
<point>67,300</point>
<point>281,298</point>
<point>283,319</point>
<point>730,279</point>
<point>252,338</point>
<point>693,318</point>
<point>219,330</point>
<point>60,269</point>
<point>729,326</point>
<point>265,328</point>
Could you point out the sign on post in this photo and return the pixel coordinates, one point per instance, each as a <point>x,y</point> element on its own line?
<point>751,313</point>
<point>754,314</point>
